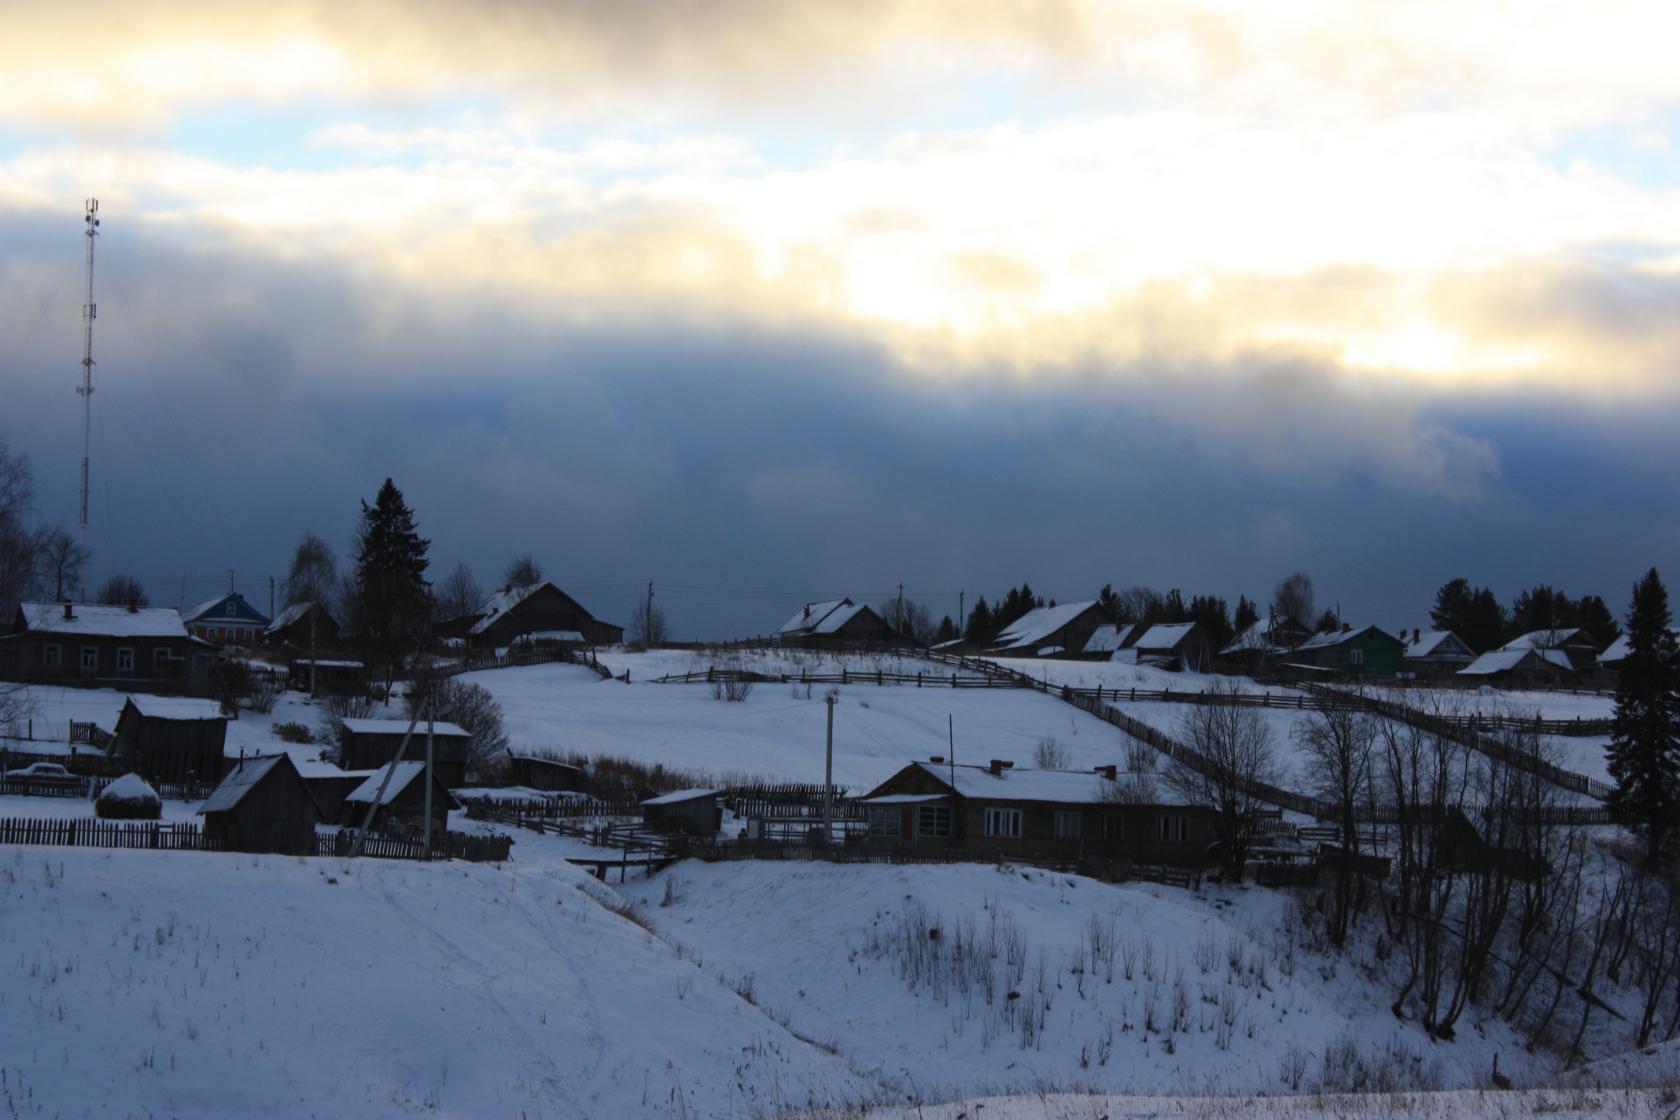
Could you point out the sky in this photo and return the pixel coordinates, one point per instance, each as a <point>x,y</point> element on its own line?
<point>766,303</point>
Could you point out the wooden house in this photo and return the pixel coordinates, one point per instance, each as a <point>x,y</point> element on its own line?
<point>263,805</point>
<point>401,808</point>
<point>368,743</point>
<point>1170,645</point>
<point>692,812</point>
<point>1575,644</point>
<point>171,739</point>
<point>516,612</point>
<point>547,774</point>
<point>139,648</point>
<point>1434,653</point>
<point>305,627</point>
<point>835,622</point>
<point>329,676</point>
<point>226,620</point>
<point>1060,631</point>
<point>1039,814</point>
<point>1264,643</point>
<point>1520,668</point>
<point>1364,652</point>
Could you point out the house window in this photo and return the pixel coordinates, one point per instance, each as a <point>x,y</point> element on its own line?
<point>1356,657</point>
<point>883,823</point>
<point>230,610</point>
<point>1114,826</point>
<point>933,820</point>
<point>249,634</point>
<point>51,657</point>
<point>90,658</point>
<point>160,659</point>
<point>1069,825</point>
<point>125,659</point>
<point>1003,823</point>
<point>1174,829</point>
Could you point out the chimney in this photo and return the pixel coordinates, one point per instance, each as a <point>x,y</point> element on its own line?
<point>1346,626</point>
<point>998,766</point>
<point>67,612</point>
<point>1111,772</point>
<point>807,610</point>
<point>1417,636</point>
<point>937,760</point>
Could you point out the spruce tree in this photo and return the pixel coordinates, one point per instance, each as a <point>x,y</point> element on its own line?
<point>1644,751</point>
<point>1247,614</point>
<point>393,601</point>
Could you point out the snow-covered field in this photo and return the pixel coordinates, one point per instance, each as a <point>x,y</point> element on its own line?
<point>778,732</point>
<point>1110,674</point>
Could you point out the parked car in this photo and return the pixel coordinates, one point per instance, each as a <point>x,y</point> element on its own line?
<point>43,773</point>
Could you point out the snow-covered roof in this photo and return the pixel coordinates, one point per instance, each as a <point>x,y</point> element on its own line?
<point>400,726</point>
<point>1070,787</point>
<point>287,617</point>
<point>1618,651</point>
<point>1050,651</point>
<point>1037,625</point>
<point>1429,642</point>
<point>175,707</point>
<point>102,621</point>
<point>1548,639</point>
<point>1499,660</point>
<point>1108,637</point>
<point>1337,637</point>
<point>501,602</point>
<point>680,795</point>
<point>1164,635</point>
<point>401,778</point>
<point>822,618</point>
<point>1259,637</point>
<point>904,798</point>
<point>204,608</point>
<point>238,782</point>
<point>315,768</point>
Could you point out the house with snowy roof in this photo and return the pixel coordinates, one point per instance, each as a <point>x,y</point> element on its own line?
<point>171,738</point>
<point>1524,667</point>
<point>1264,641</point>
<point>1038,814</point>
<point>367,743</point>
<point>835,622</point>
<point>127,647</point>
<point>1171,645</point>
<point>226,620</point>
<point>397,794</point>
<point>262,805</point>
<point>538,613</point>
<point>303,626</point>
<point>1434,653</point>
<point>1573,642</point>
<point>1366,651</point>
<point>1060,631</point>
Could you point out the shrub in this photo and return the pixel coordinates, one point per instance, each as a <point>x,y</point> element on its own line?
<point>293,733</point>
<point>1051,755</point>
<point>129,798</point>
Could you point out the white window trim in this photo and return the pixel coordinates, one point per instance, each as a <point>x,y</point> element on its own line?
<point>93,650</point>
<point>1003,824</point>
<point>52,655</point>
<point>1069,824</point>
<point>125,659</point>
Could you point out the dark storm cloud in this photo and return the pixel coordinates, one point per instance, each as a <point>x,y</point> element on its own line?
<point>744,468</point>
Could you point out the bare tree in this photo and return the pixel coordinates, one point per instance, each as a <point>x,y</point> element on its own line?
<point>61,558</point>
<point>1052,754</point>
<point>459,594</point>
<point>1293,598</point>
<point>908,619</point>
<point>523,571</point>
<point>120,591</point>
<point>647,623</point>
<point>1339,744</point>
<point>1233,757</point>
<point>17,541</point>
<point>313,576</point>
<point>472,708</point>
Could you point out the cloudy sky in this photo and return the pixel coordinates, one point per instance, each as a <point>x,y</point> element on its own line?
<point>769,302</point>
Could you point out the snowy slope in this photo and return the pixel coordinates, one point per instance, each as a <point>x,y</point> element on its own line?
<point>208,985</point>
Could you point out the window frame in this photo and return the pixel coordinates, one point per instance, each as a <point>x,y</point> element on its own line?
<point>87,668</point>
<point>940,818</point>
<point>1169,824</point>
<point>1068,824</point>
<point>1009,819</point>
<point>52,656</point>
<point>125,659</point>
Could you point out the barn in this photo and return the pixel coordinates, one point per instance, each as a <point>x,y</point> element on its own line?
<point>1170,645</point>
<point>263,805</point>
<point>514,612</point>
<point>693,812</point>
<point>1039,814</point>
<point>1520,668</point>
<point>171,739</point>
<point>834,622</point>
<point>547,774</point>
<point>1061,631</point>
<point>401,808</point>
<point>329,785</point>
<point>303,626</point>
<point>368,743</point>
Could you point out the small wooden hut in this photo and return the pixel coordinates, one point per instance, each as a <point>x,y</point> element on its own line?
<point>369,743</point>
<point>263,805</point>
<point>693,812</point>
<point>547,774</point>
<point>171,739</point>
<point>402,807</point>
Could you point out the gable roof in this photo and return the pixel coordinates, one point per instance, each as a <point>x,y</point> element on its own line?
<point>245,778</point>
<point>293,614</point>
<point>818,618</point>
<point>1499,660</point>
<point>176,707</point>
<point>1038,625</point>
<point>1549,639</point>
<point>1337,637</point>
<point>242,610</point>
<point>1109,637</point>
<point>1163,635</point>
<point>402,777</point>
<point>102,621</point>
<point>400,726</point>
<point>680,796</point>
<point>500,603</point>
<point>1437,643</point>
<point>1067,787</point>
<point>1262,637</point>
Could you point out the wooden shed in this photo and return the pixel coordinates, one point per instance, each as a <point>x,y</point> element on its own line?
<point>1039,814</point>
<point>331,676</point>
<point>402,807</point>
<point>263,805</point>
<point>330,785</point>
<point>693,812</point>
<point>171,739</point>
<point>547,774</point>
<point>1169,645</point>
<point>369,743</point>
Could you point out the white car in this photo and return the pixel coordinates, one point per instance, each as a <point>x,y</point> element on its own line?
<point>41,772</point>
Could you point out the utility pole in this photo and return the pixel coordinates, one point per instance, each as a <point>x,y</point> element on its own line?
<point>828,775</point>
<point>90,311</point>
<point>230,581</point>
<point>271,598</point>
<point>962,612</point>
<point>426,836</point>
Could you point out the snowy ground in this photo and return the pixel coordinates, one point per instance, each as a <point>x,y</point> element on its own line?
<point>778,732</point>
<point>671,662</point>
<point>1110,674</point>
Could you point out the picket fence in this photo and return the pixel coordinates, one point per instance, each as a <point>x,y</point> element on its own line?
<point>184,836</point>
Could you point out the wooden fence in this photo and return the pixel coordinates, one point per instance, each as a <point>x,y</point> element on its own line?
<point>543,809</point>
<point>183,836</point>
<point>79,789</point>
<point>790,800</point>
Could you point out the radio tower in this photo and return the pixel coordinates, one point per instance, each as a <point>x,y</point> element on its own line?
<point>89,311</point>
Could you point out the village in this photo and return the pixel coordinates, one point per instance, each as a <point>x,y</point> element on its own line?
<point>1265,795</point>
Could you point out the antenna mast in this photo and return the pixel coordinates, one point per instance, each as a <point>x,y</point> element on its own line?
<point>89,311</point>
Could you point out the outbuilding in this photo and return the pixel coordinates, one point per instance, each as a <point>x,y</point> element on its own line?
<point>835,622</point>
<point>263,805</point>
<point>1434,653</point>
<point>401,807</point>
<point>1520,668</point>
<point>368,743</point>
<point>1060,631</point>
<point>547,774</point>
<point>171,738</point>
<point>693,812</point>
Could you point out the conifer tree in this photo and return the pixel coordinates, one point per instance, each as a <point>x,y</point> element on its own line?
<point>1247,614</point>
<point>392,600</point>
<point>1644,751</point>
